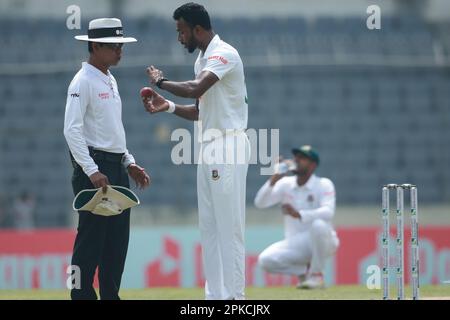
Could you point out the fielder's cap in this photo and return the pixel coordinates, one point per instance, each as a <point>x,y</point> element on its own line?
<point>307,151</point>
<point>105,30</point>
<point>113,202</point>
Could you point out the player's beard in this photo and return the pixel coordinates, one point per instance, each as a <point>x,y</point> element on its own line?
<point>192,45</point>
<point>299,171</point>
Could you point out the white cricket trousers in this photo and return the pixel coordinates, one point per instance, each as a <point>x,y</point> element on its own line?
<point>294,254</point>
<point>221,190</point>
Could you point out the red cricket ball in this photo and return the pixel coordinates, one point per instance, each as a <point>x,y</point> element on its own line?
<point>146,92</point>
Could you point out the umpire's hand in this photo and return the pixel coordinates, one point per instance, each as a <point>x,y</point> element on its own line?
<point>99,180</point>
<point>138,174</point>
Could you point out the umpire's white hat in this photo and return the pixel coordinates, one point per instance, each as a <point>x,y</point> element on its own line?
<point>105,30</point>
<point>113,202</point>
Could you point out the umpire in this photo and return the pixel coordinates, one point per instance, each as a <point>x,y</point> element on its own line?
<point>96,138</point>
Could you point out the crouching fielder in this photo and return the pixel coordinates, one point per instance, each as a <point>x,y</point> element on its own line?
<point>308,203</point>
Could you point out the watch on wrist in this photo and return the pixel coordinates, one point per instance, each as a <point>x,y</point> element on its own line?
<point>160,81</point>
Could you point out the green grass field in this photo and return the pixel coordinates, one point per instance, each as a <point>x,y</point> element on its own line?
<point>353,292</point>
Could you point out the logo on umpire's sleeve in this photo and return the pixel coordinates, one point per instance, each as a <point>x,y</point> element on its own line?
<point>215,174</point>
<point>75,95</point>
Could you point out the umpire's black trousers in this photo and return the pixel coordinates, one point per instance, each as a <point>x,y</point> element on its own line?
<point>101,241</point>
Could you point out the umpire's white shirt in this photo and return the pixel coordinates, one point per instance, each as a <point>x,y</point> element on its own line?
<point>224,105</point>
<point>94,117</point>
<point>315,199</point>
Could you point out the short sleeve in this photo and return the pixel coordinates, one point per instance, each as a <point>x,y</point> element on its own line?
<point>220,63</point>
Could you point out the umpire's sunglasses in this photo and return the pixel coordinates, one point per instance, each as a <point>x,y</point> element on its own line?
<point>113,46</point>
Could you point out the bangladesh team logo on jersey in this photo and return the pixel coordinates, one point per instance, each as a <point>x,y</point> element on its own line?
<point>215,174</point>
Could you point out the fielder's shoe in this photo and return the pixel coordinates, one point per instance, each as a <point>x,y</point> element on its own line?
<point>314,281</point>
<point>301,280</point>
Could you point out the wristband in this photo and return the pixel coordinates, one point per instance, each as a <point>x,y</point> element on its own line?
<point>171,107</point>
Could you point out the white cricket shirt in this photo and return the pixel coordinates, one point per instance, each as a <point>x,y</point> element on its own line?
<point>94,117</point>
<point>224,105</point>
<point>316,199</point>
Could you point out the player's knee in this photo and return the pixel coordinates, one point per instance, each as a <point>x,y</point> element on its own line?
<point>319,228</point>
<point>267,262</point>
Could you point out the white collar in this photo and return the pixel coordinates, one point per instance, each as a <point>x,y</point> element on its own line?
<point>211,45</point>
<point>90,68</point>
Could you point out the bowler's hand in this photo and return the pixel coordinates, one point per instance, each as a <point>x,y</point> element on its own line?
<point>289,210</point>
<point>155,103</point>
<point>138,174</point>
<point>154,74</point>
<point>99,180</point>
